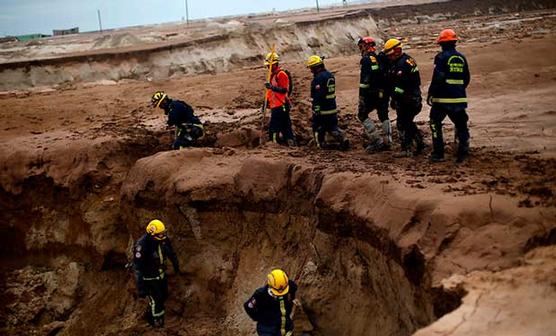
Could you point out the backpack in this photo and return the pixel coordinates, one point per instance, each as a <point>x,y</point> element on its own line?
<point>290,79</point>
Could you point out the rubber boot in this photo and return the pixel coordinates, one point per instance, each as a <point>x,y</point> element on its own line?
<point>339,136</point>
<point>419,143</point>
<point>387,130</point>
<point>401,135</point>
<point>405,145</point>
<point>147,316</point>
<point>403,153</point>
<point>375,141</point>
<point>463,152</point>
<point>319,139</point>
<point>456,140</point>
<point>437,154</point>
<point>159,322</point>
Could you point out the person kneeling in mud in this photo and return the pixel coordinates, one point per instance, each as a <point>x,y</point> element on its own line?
<point>325,112</point>
<point>188,126</point>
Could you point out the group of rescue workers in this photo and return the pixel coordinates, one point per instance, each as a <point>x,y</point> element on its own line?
<point>389,78</point>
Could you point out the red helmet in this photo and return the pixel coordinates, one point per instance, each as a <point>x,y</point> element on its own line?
<point>366,43</point>
<point>447,35</point>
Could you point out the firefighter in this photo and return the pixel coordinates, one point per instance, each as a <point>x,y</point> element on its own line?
<point>373,95</point>
<point>149,256</point>
<point>404,82</point>
<point>447,96</point>
<point>188,126</point>
<point>271,305</point>
<point>277,98</point>
<point>323,105</point>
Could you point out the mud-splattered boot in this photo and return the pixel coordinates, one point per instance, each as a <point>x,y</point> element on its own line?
<point>147,316</point>
<point>463,152</point>
<point>419,143</point>
<point>437,142</point>
<point>341,139</point>
<point>375,141</point>
<point>291,143</point>
<point>159,322</point>
<point>387,130</point>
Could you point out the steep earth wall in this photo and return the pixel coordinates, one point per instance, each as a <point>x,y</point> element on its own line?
<point>368,254</point>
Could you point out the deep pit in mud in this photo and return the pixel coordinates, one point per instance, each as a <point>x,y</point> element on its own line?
<point>65,246</point>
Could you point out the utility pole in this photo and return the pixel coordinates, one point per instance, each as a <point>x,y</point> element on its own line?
<point>186,12</point>
<point>318,9</point>
<point>99,21</point>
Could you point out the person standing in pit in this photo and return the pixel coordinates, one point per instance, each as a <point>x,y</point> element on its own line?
<point>271,305</point>
<point>149,256</point>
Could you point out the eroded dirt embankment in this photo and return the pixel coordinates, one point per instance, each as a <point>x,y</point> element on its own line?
<point>214,47</point>
<point>217,51</point>
<point>368,254</point>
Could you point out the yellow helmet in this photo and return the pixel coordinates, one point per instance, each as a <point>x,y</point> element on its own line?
<point>313,61</point>
<point>391,45</point>
<point>157,98</point>
<point>271,58</point>
<point>278,282</point>
<point>156,229</point>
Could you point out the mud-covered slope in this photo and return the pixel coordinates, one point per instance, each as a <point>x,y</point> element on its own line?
<point>518,301</point>
<point>379,245</point>
<point>369,254</point>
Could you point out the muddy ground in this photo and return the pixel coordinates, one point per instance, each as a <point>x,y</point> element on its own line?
<point>379,245</point>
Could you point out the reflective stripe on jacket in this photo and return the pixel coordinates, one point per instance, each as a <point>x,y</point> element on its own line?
<point>404,80</point>
<point>371,78</point>
<point>323,93</point>
<point>272,313</point>
<point>278,79</point>
<point>450,78</point>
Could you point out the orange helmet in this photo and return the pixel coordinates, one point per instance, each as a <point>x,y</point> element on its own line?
<point>447,35</point>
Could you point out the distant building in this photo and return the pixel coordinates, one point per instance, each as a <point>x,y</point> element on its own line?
<point>30,37</point>
<point>6,39</point>
<point>58,32</point>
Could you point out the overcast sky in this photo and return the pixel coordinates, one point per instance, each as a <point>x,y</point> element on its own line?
<point>42,16</point>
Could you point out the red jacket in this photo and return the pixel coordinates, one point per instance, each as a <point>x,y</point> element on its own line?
<point>280,79</point>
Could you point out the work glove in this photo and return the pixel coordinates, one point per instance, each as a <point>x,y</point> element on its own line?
<point>429,100</point>
<point>275,88</point>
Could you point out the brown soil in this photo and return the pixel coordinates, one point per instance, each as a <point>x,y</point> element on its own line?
<point>379,245</point>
